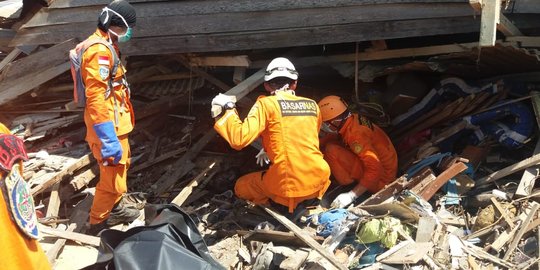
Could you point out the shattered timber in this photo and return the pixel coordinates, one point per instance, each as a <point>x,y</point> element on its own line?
<point>454,83</point>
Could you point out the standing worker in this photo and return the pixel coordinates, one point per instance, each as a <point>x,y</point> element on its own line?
<point>289,127</point>
<point>365,154</point>
<point>108,113</point>
<point>18,222</point>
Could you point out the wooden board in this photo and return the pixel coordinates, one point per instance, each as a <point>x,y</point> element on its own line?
<point>306,238</point>
<point>409,254</point>
<point>268,38</point>
<point>68,170</point>
<point>526,163</point>
<point>441,179</point>
<point>205,17</point>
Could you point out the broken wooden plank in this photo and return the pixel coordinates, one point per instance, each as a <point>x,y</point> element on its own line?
<point>53,251</point>
<point>54,203</point>
<point>305,237</point>
<point>503,212</point>
<point>83,179</point>
<point>387,192</point>
<point>426,228</point>
<point>70,169</point>
<point>503,239</point>
<point>523,228</point>
<point>441,179</point>
<point>9,58</point>
<point>79,237</point>
<point>491,11</point>
<point>526,163</point>
<point>186,191</point>
<point>276,237</point>
<point>411,253</point>
<point>11,89</point>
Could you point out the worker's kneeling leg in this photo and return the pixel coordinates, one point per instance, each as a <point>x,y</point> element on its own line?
<point>248,187</point>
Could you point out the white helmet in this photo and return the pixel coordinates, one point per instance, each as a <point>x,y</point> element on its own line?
<point>280,67</point>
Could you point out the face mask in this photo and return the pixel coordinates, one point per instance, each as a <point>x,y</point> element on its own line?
<point>123,38</point>
<point>326,128</point>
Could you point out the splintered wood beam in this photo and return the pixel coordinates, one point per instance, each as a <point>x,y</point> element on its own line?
<point>441,179</point>
<point>492,20</point>
<point>526,163</point>
<point>81,162</point>
<point>54,203</point>
<point>79,237</point>
<point>523,228</point>
<point>305,237</point>
<point>186,191</point>
<point>507,27</point>
<point>10,57</point>
<point>491,11</point>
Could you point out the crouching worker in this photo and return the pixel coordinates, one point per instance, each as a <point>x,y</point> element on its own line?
<point>363,153</point>
<point>289,127</point>
<point>18,221</point>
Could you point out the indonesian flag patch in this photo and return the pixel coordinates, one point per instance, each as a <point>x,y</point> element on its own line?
<point>103,60</point>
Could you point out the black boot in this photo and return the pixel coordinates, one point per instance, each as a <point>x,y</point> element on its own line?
<point>96,229</point>
<point>122,214</point>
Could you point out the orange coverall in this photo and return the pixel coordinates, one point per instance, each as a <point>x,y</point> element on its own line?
<point>368,155</point>
<point>289,127</point>
<point>118,109</point>
<point>18,250</point>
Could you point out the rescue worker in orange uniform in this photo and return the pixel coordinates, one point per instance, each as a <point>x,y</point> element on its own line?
<point>362,153</point>
<point>18,221</point>
<point>109,116</point>
<point>289,127</point>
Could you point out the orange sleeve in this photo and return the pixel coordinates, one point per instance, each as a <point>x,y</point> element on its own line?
<point>362,146</point>
<point>241,134</point>
<point>95,60</point>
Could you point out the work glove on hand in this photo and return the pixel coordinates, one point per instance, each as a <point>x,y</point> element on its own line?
<point>344,199</point>
<point>220,103</point>
<point>262,158</point>
<point>110,145</point>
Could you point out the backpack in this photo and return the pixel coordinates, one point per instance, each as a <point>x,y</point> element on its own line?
<point>75,57</point>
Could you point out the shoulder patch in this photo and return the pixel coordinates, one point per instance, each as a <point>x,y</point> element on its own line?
<point>21,203</point>
<point>103,72</point>
<point>356,148</point>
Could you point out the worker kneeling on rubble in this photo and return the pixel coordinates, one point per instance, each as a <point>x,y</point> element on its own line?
<point>289,126</point>
<point>18,220</point>
<point>364,154</point>
<point>109,115</point>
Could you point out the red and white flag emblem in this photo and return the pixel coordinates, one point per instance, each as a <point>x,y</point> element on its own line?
<point>103,60</point>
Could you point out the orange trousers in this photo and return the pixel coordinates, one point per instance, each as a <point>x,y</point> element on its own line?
<point>346,167</point>
<point>112,181</point>
<point>249,187</point>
